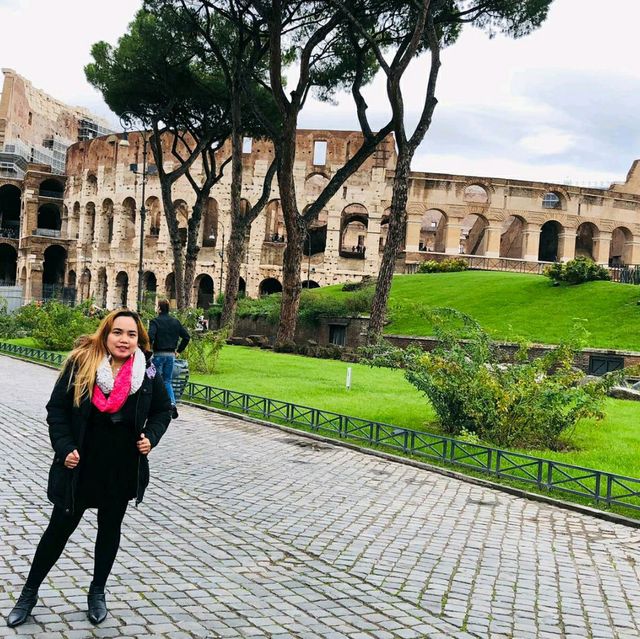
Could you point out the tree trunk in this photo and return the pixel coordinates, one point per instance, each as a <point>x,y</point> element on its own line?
<point>291,285</point>
<point>235,252</point>
<point>176,245</point>
<point>395,237</point>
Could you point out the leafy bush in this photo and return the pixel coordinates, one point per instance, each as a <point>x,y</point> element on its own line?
<point>577,271</point>
<point>8,325</point>
<point>204,349</point>
<point>55,326</point>
<point>524,403</point>
<point>365,282</point>
<point>448,265</point>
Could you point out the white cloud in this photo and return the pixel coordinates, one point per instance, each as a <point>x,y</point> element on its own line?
<point>548,142</point>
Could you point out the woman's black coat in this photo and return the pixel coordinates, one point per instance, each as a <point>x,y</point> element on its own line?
<point>68,424</point>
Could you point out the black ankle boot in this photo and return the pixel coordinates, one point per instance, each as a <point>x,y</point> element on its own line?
<point>96,605</point>
<point>26,601</point>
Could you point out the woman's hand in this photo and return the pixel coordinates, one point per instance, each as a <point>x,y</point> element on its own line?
<point>72,459</point>
<point>143,444</point>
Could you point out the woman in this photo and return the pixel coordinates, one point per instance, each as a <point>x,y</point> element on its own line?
<point>108,409</point>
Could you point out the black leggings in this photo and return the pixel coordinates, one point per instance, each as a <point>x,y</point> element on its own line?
<point>61,527</point>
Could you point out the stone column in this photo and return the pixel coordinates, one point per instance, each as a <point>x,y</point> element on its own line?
<point>602,248</point>
<point>567,245</point>
<point>531,242</point>
<point>414,222</point>
<point>492,241</point>
<point>452,237</point>
<point>632,249</point>
<point>35,284</point>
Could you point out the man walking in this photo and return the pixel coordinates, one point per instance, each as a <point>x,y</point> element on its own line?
<point>164,333</point>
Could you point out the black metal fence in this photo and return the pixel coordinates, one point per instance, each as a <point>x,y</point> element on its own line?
<point>601,487</point>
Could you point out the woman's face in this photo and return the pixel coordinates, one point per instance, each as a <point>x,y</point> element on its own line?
<point>122,341</point>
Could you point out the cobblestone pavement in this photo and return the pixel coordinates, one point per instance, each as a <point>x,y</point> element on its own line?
<point>252,532</point>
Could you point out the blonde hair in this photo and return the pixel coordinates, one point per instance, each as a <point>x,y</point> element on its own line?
<point>89,351</point>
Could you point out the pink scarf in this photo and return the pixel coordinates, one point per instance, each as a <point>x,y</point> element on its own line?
<point>119,394</point>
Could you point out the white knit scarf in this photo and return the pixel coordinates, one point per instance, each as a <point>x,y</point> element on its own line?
<point>105,379</point>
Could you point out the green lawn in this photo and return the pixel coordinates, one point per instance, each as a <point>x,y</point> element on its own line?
<point>510,305</point>
<point>612,444</point>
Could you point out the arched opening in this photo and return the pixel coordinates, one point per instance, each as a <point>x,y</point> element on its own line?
<point>92,185</point>
<point>154,215</point>
<point>432,229</point>
<point>269,286</point>
<point>551,200</point>
<point>476,194</point>
<point>353,231</point>
<point>23,277</point>
<point>315,184</point>
<point>105,226</point>
<point>53,270</point>
<point>101,288</point>
<point>210,223</point>
<point>85,284</point>
<point>122,288</point>
<point>203,288</point>
<point>549,235</point>
<point>71,279</point>
<point>473,236</point>
<point>149,282</point>
<point>10,211</point>
<point>128,231</point>
<point>170,287</point>
<point>316,240</point>
<point>73,222</point>
<point>182,215</point>
<point>8,265</point>
<point>242,287</point>
<point>512,237</point>
<point>274,230</point>
<point>620,248</point>
<point>586,234</point>
<point>49,217</point>
<point>90,222</point>
<point>51,188</point>
<point>310,284</point>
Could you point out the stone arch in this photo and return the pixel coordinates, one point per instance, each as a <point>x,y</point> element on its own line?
<point>203,291</point>
<point>586,235</point>
<point>85,284</point>
<point>316,239</point>
<point>170,286</point>
<point>51,188</point>
<point>71,279</point>
<point>475,193</point>
<point>512,237</point>
<point>274,229</point>
<point>92,185</point>
<point>128,226</point>
<point>8,264</point>
<point>154,215</point>
<point>473,235</point>
<point>354,224</point>
<point>242,287</point>
<point>621,245</point>
<point>101,287</point>
<point>73,222</point>
<point>49,217</point>
<point>310,284</point>
<point>182,216</point>
<point>549,240</point>
<point>269,285</point>
<point>553,200</point>
<point>90,222</point>
<point>53,269</point>
<point>10,198</point>
<point>314,184</point>
<point>122,288</point>
<point>432,231</point>
<point>149,282</point>
<point>104,229</point>
<point>210,223</point>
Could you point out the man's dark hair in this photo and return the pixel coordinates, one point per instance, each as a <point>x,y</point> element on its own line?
<point>163,306</point>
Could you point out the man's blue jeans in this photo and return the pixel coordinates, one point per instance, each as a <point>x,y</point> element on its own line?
<point>164,366</point>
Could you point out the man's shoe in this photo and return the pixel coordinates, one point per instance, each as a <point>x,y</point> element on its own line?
<point>26,601</point>
<point>174,411</point>
<point>96,605</point>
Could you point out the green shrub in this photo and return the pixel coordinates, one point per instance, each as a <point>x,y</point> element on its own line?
<point>366,282</point>
<point>448,265</point>
<point>524,403</point>
<point>8,324</point>
<point>55,326</point>
<point>204,349</point>
<point>577,271</point>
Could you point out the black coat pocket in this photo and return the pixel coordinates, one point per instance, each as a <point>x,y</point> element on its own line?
<point>59,485</point>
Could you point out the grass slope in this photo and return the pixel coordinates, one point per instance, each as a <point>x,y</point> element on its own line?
<point>511,305</point>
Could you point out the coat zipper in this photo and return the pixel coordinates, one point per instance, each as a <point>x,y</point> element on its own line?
<point>138,435</point>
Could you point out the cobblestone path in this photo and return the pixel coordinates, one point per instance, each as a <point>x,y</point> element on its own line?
<point>247,531</point>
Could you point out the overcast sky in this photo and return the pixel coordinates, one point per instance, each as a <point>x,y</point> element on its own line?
<point>562,105</point>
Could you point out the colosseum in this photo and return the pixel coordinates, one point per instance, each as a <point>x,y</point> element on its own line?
<point>80,234</point>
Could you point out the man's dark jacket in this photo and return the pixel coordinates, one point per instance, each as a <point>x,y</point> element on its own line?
<point>164,333</point>
<point>68,424</point>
